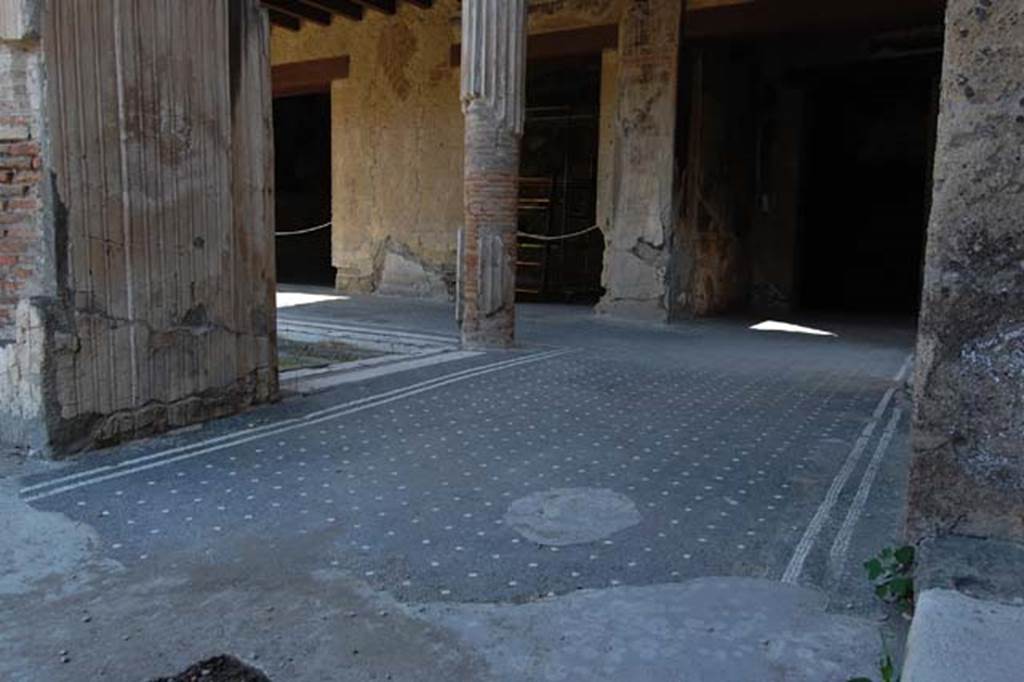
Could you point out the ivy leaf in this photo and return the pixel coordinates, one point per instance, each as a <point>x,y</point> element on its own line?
<point>902,588</point>
<point>905,555</point>
<point>887,669</point>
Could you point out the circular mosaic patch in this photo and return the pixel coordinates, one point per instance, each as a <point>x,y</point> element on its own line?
<point>571,516</point>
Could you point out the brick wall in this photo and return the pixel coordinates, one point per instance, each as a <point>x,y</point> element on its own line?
<point>27,262</point>
<point>21,238</point>
<point>20,232</point>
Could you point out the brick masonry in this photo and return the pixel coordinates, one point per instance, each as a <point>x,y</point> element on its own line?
<point>20,232</point>
<point>20,176</point>
<point>26,260</point>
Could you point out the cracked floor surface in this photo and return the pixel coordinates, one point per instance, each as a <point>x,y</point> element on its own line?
<point>362,532</point>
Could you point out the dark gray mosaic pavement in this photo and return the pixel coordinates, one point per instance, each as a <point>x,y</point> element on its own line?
<point>725,439</point>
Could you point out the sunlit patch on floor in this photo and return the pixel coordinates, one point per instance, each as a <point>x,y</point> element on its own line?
<point>775,326</point>
<point>290,299</point>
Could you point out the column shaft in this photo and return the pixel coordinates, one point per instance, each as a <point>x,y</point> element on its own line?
<point>638,256</point>
<point>493,97</point>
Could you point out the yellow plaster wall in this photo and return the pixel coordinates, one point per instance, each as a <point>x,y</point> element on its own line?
<point>396,130</point>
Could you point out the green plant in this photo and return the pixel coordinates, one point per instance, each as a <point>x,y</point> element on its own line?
<point>891,572</point>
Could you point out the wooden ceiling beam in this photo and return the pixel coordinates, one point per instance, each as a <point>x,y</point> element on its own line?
<point>300,10</point>
<point>303,78</point>
<point>289,14</point>
<point>570,43</point>
<point>696,5</point>
<point>345,8</point>
<point>385,6</point>
<point>283,20</point>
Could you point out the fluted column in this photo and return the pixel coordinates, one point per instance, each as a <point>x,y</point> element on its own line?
<point>493,100</point>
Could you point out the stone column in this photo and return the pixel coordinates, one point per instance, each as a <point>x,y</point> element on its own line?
<point>126,310</point>
<point>493,99</point>
<point>637,243</point>
<point>967,474</point>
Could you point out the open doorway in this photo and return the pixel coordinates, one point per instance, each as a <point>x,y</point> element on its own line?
<point>302,176</point>
<point>868,150</point>
<point>558,183</point>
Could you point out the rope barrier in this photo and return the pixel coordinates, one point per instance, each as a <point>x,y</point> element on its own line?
<point>528,235</point>
<point>305,231</point>
<point>560,237</point>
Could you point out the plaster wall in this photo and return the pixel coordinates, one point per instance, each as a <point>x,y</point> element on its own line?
<point>19,20</point>
<point>396,128</point>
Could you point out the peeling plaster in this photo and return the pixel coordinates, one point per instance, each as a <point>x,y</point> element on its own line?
<point>21,387</point>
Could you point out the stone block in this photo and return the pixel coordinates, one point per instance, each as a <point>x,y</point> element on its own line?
<point>955,638</point>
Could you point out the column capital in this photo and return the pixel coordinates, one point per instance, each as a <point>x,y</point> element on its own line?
<point>494,61</point>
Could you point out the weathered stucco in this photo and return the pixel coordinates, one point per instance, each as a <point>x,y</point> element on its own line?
<point>560,15</point>
<point>968,464</point>
<point>21,380</point>
<point>26,247</point>
<point>712,272</point>
<point>638,245</point>
<point>606,139</point>
<point>19,19</point>
<point>396,128</point>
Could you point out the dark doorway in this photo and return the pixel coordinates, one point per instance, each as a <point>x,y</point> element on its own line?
<point>868,151</point>
<point>302,176</point>
<point>558,183</point>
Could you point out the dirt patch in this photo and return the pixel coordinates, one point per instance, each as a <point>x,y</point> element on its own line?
<point>303,355</point>
<point>218,669</point>
<point>38,547</point>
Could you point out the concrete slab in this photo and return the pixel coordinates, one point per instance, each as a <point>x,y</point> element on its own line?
<point>720,629</point>
<point>42,549</point>
<point>982,568</point>
<point>955,638</point>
